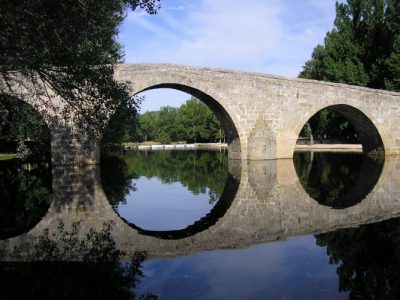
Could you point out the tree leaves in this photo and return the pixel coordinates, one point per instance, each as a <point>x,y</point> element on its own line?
<point>362,48</point>
<point>67,49</point>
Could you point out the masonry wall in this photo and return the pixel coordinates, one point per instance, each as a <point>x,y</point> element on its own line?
<point>270,111</point>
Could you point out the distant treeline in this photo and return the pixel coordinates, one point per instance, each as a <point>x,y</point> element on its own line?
<point>192,122</point>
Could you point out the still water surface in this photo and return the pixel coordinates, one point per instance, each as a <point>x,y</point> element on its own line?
<point>217,229</point>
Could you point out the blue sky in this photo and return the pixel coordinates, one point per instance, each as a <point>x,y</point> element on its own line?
<point>268,36</point>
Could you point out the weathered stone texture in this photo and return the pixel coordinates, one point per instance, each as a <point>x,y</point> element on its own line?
<point>262,115</point>
<point>268,112</point>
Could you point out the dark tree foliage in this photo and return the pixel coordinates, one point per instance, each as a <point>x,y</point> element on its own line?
<point>68,47</point>
<point>328,124</point>
<point>123,126</point>
<point>367,259</point>
<point>21,127</point>
<point>337,180</point>
<point>362,49</point>
<point>67,264</point>
<point>24,196</point>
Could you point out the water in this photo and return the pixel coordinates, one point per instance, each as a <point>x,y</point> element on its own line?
<point>321,226</point>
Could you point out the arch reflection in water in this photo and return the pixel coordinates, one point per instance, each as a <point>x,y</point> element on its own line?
<point>169,194</point>
<point>25,195</point>
<point>338,180</point>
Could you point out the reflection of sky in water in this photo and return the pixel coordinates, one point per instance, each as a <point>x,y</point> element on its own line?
<point>161,206</point>
<point>294,269</point>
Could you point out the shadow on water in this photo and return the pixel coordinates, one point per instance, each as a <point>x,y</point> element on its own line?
<point>63,265</point>
<point>25,196</point>
<point>367,259</point>
<point>198,171</point>
<point>338,180</point>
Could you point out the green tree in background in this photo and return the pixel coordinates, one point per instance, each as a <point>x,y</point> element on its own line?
<point>191,122</point>
<point>197,122</point>
<point>166,124</point>
<point>362,49</point>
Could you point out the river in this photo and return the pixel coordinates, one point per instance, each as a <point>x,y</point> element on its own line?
<point>196,225</point>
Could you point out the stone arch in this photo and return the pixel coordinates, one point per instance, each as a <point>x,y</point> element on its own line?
<point>370,137</point>
<point>225,119</point>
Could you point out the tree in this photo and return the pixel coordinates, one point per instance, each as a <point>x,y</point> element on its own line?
<point>20,124</point>
<point>148,123</point>
<point>197,122</point>
<point>191,122</point>
<point>362,49</point>
<point>166,124</point>
<point>68,47</point>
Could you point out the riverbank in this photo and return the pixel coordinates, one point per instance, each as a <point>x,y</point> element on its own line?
<point>197,146</point>
<point>217,146</point>
<point>330,147</point>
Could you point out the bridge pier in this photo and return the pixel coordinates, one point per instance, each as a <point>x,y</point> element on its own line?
<point>73,146</point>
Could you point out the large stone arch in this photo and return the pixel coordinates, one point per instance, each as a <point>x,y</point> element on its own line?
<point>372,139</point>
<point>188,80</point>
<point>228,125</point>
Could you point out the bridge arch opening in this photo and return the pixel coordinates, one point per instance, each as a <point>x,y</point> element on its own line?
<point>335,171</point>
<point>207,187</point>
<point>230,132</point>
<point>25,167</point>
<point>343,124</point>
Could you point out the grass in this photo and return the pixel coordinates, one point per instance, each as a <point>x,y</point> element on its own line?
<point>7,156</point>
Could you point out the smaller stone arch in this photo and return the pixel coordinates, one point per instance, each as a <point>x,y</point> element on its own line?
<point>364,125</point>
<point>227,123</point>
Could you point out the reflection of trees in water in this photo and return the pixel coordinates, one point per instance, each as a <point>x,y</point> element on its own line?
<point>199,171</point>
<point>368,259</point>
<point>116,179</point>
<point>338,180</point>
<point>65,266</point>
<point>24,196</point>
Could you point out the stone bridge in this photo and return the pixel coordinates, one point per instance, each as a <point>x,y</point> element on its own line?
<point>262,115</point>
<point>262,201</point>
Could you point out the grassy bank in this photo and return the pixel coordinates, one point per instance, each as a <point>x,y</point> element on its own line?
<point>7,156</point>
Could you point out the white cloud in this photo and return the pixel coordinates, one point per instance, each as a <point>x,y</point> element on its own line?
<point>268,36</point>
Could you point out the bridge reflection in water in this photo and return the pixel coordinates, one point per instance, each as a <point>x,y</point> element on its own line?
<point>262,201</point>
